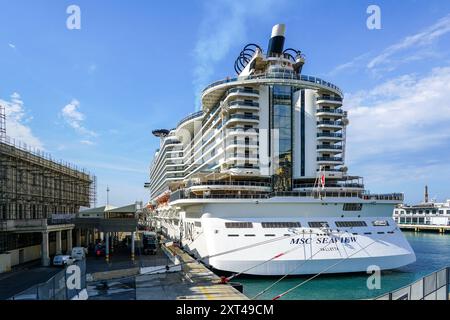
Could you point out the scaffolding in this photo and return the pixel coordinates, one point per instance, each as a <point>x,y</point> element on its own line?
<point>2,123</point>
<point>33,185</point>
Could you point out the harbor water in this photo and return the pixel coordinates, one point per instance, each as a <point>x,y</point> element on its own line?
<point>432,252</point>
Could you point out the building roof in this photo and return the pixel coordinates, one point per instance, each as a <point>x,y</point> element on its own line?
<point>131,208</point>
<point>101,209</point>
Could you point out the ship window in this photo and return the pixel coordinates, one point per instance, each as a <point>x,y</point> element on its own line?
<point>233,235</point>
<point>352,206</point>
<point>269,235</point>
<point>367,232</point>
<point>250,235</point>
<point>380,232</point>
<point>321,224</point>
<point>380,223</point>
<point>239,225</point>
<point>281,224</point>
<point>441,211</point>
<point>350,224</point>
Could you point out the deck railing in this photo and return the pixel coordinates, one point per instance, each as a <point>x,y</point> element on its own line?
<point>287,75</point>
<point>186,194</point>
<point>432,287</point>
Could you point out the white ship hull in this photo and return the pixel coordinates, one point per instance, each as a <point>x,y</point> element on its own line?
<point>301,251</point>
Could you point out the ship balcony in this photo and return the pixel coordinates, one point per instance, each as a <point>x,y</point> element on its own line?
<point>329,148</point>
<point>330,124</point>
<point>238,118</point>
<point>242,169</point>
<point>329,100</point>
<point>244,105</point>
<point>330,187</point>
<point>330,160</point>
<point>242,157</point>
<point>332,136</point>
<point>236,131</point>
<point>190,117</point>
<point>242,92</point>
<point>330,112</point>
<point>230,186</point>
<point>242,145</point>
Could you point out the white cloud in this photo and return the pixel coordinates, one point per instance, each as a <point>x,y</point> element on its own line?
<point>87,142</point>
<point>405,114</point>
<point>74,118</point>
<point>410,49</point>
<point>421,39</point>
<point>11,45</point>
<point>224,25</point>
<point>351,65</point>
<point>17,121</point>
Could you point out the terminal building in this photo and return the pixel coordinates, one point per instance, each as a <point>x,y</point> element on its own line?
<point>39,198</point>
<point>425,213</point>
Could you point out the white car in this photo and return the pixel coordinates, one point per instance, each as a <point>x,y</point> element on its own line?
<point>62,260</point>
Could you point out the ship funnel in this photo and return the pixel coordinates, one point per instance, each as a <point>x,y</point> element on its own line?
<point>276,42</point>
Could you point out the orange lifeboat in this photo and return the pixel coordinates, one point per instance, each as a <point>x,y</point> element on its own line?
<point>163,199</point>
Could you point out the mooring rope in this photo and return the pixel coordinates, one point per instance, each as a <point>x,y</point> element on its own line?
<point>324,270</point>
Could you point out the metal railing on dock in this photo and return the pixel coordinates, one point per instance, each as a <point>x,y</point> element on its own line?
<point>432,287</point>
<point>56,287</point>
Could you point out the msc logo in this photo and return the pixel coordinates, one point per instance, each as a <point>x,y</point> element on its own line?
<point>189,228</point>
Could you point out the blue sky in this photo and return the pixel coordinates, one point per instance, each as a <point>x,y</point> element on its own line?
<point>92,96</point>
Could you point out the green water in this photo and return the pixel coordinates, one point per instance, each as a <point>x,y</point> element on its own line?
<point>432,252</point>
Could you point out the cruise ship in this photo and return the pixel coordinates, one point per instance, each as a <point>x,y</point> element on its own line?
<point>256,183</point>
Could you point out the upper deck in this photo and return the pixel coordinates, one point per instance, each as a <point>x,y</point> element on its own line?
<point>212,93</point>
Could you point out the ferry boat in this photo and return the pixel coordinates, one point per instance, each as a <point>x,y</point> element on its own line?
<point>256,183</point>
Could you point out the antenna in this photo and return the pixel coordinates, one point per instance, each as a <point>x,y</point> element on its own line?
<point>107,195</point>
<point>2,123</point>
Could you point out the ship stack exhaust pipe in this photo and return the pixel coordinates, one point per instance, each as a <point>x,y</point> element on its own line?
<point>276,43</point>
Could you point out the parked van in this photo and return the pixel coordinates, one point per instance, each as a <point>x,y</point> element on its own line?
<point>150,242</point>
<point>78,253</point>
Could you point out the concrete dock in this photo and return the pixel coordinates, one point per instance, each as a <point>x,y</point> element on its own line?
<point>424,227</point>
<point>193,282</point>
<point>205,284</point>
